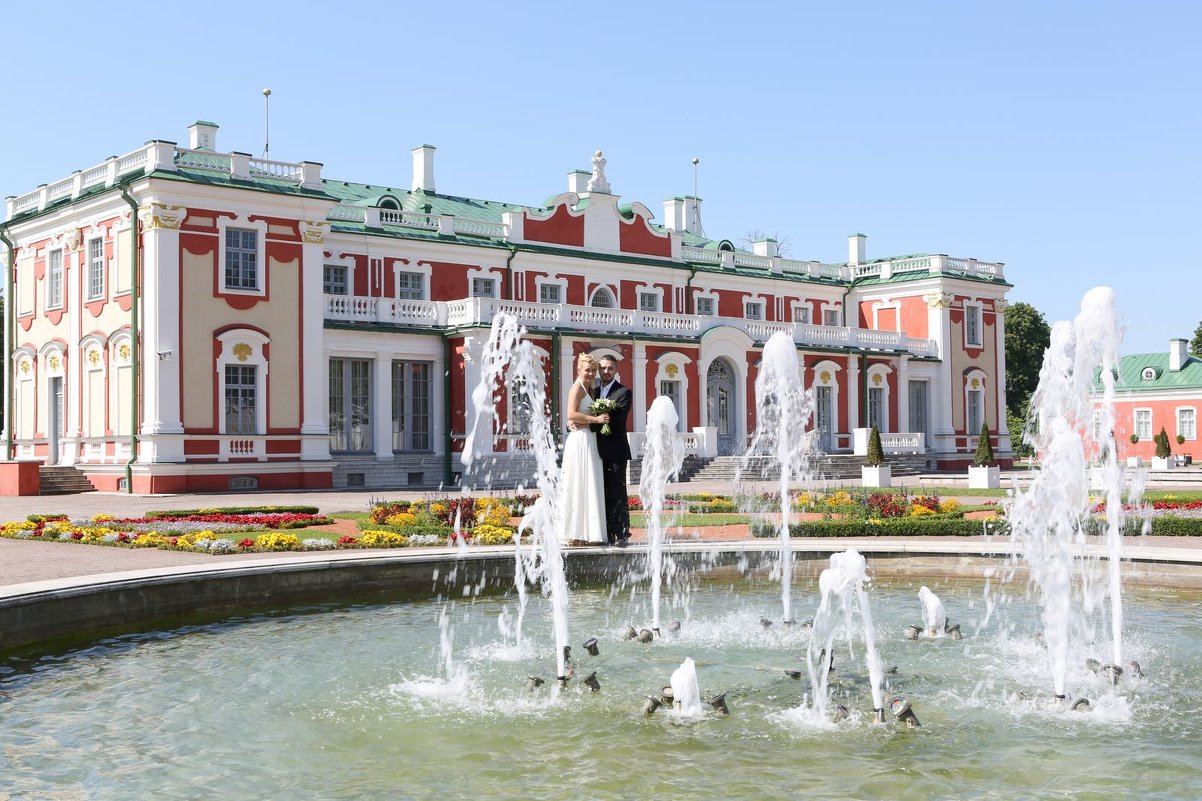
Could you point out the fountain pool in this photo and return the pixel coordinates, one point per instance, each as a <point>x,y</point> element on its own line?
<point>375,700</point>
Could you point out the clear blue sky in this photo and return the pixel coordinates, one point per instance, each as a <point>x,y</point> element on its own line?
<point>1061,138</point>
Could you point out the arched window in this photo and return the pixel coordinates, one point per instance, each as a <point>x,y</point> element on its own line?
<point>603,298</point>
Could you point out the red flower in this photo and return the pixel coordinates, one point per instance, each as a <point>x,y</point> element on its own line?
<point>77,535</point>
<point>246,543</point>
<point>123,536</point>
<point>344,540</point>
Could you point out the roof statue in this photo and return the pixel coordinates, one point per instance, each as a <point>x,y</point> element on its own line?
<point>598,183</point>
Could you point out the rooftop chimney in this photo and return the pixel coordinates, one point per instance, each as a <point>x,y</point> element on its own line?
<point>578,181</point>
<point>674,214</point>
<point>1178,355</point>
<point>423,169</point>
<point>764,247</point>
<point>692,215</point>
<point>202,134</point>
<point>855,248</point>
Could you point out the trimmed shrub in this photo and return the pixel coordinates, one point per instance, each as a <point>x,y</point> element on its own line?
<point>984,455</point>
<point>233,510</point>
<point>876,454</point>
<point>1163,451</point>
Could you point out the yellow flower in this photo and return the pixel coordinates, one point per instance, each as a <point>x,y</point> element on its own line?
<point>920,511</point>
<point>376,538</point>
<point>949,505</point>
<point>488,534</point>
<point>277,542</point>
<point>402,519</point>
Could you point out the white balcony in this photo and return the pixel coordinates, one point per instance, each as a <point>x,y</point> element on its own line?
<point>475,312</point>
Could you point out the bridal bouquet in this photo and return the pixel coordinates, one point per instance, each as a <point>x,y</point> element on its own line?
<point>604,406</point>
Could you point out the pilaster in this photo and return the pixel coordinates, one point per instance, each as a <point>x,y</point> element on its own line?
<point>315,441</point>
<point>381,401</point>
<point>853,391</point>
<point>161,357</point>
<point>638,385</point>
<point>939,327</point>
<point>1003,427</point>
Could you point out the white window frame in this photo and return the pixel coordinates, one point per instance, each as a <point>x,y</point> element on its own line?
<point>346,279</point>
<point>980,396</point>
<point>229,341</point>
<point>671,367</point>
<point>423,284</point>
<point>1141,419</point>
<point>560,286</point>
<point>711,298</point>
<point>609,293</point>
<point>95,269</point>
<point>801,313</point>
<point>883,371</point>
<point>55,269</point>
<point>974,312</point>
<point>478,282</point>
<point>832,317</point>
<point>224,224</point>
<point>656,297</point>
<point>1190,429</point>
<point>753,310</point>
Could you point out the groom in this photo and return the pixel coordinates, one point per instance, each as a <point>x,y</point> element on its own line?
<point>615,453</point>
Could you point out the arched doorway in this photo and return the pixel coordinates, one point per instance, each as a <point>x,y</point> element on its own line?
<point>721,411</point>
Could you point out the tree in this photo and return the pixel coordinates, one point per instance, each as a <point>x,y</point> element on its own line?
<point>1163,451</point>
<point>1195,344</point>
<point>1027,337</point>
<point>984,455</point>
<point>876,454</point>
<point>756,235</point>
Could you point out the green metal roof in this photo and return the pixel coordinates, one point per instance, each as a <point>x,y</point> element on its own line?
<point>1132,368</point>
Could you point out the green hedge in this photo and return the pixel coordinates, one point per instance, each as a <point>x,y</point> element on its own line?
<point>1165,525</point>
<point>233,510</point>
<point>891,527</point>
<point>408,531</point>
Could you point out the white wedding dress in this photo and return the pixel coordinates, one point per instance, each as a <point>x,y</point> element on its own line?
<point>582,492</point>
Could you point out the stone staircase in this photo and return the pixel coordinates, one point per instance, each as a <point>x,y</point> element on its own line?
<point>829,467</point>
<point>62,480</point>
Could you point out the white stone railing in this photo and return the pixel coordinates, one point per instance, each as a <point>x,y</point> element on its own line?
<point>344,212</point>
<point>478,228</point>
<point>701,255</point>
<point>202,160</point>
<point>473,312</point>
<point>409,219</point>
<point>282,170</point>
<point>891,442</point>
<point>242,447</point>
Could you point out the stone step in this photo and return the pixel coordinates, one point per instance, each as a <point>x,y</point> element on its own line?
<point>62,480</point>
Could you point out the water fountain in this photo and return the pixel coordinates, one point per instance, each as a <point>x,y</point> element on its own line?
<point>430,694</point>
<point>783,411</point>
<point>663,454</point>
<point>1048,521</point>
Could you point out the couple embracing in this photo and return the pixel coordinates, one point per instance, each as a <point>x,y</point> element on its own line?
<point>593,508</point>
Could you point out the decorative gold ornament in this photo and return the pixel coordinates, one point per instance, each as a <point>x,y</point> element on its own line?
<point>24,367</point>
<point>123,351</point>
<point>671,370</point>
<point>825,377</point>
<point>876,379</point>
<point>312,232</point>
<point>52,363</point>
<point>976,383</point>
<point>93,357</point>
<point>160,215</point>
<point>242,351</point>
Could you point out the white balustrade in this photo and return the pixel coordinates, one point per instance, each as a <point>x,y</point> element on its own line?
<point>478,228</point>
<point>346,213</point>
<point>409,219</point>
<point>242,447</point>
<point>95,175</point>
<point>701,255</point>
<point>131,160</point>
<point>202,160</point>
<point>753,260</point>
<point>282,170</point>
<point>892,442</point>
<point>60,188</point>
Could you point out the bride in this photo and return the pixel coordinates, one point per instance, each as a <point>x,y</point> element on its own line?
<point>582,501</point>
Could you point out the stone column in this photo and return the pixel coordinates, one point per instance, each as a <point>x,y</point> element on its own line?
<point>381,401</point>
<point>939,326</point>
<point>638,387</point>
<point>314,430</point>
<point>162,428</point>
<point>853,392</point>
<point>1003,427</point>
<point>903,394</point>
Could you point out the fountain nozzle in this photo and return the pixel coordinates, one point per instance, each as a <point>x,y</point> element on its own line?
<point>793,674</point>
<point>878,715</point>
<point>954,632</point>
<point>912,632</point>
<point>903,712</point>
<point>591,681</point>
<point>590,645</point>
<point>1115,671</point>
<point>534,682</point>
<point>652,704</point>
<point>718,702</point>
<point>674,627</point>
<point>765,622</point>
<point>567,654</point>
<point>630,633</point>
<point>1093,665</point>
<point>563,681</point>
<point>645,636</point>
<point>1136,670</point>
<point>841,713</point>
<point>1081,705</point>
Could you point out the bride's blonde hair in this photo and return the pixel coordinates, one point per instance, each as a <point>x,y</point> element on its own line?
<point>583,359</point>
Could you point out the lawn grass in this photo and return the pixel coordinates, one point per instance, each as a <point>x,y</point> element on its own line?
<point>693,520</point>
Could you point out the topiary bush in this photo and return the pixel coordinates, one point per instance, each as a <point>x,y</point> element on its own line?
<point>876,454</point>
<point>1163,451</point>
<point>984,455</point>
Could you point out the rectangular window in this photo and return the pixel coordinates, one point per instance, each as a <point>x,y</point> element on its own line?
<point>801,314</point>
<point>350,405</point>
<point>1143,423</point>
<point>972,325</point>
<point>671,391</point>
<point>54,280</point>
<point>241,258</point>
<point>975,399</point>
<point>484,287</point>
<point>548,293</point>
<point>831,317</point>
<point>876,408</point>
<point>410,286</point>
<point>1186,425</point>
<point>705,306</point>
<point>411,406</point>
<point>240,399</point>
<point>753,309</point>
<point>334,279</point>
<point>95,268</point>
<point>648,302</point>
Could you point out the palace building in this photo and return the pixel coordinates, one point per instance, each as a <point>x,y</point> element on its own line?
<point>190,319</point>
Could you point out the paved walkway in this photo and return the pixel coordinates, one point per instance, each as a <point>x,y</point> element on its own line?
<point>22,561</point>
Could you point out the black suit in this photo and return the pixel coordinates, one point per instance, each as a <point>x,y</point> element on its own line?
<point>615,453</point>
